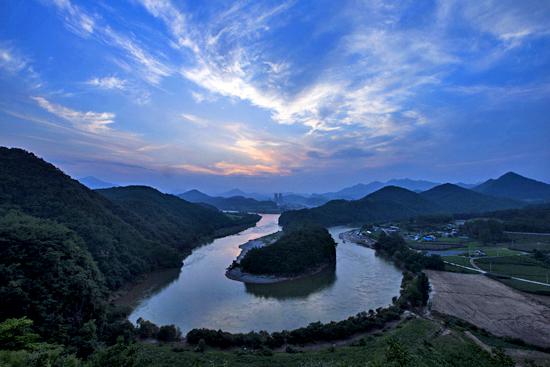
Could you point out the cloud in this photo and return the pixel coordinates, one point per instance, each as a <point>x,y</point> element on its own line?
<point>10,60</point>
<point>77,20</point>
<point>90,121</point>
<point>233,169</point>
<point>108,82</point>
<point>196,120</point>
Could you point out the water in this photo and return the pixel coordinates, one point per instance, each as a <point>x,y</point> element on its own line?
<point>202,296</point>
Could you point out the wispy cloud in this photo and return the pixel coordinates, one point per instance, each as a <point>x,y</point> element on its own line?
<point>90,121</point>
<point>108,82</point>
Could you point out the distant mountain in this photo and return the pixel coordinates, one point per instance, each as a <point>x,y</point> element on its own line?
<point>296,200</point>
<point>361,190</point>
<point>388,203</point>
<point>466,185</point>
<point>235,203</point>
<point>239,192</point>
<point>95,183</point>
<point>514,186</point>
<point>456,199</point>
<point>395,203</point>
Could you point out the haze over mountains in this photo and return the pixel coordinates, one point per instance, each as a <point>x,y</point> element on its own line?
<point>393,203</point>
<point>460,197</point>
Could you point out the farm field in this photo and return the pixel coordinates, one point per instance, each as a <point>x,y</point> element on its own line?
<point>516,266</point>
<point>491,305</point>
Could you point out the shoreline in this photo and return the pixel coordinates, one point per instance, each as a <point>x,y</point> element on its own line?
<point>238,275</point>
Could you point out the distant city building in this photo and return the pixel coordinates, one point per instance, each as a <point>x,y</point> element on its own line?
<point>278,198</point>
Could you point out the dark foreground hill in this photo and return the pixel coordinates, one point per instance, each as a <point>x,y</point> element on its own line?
<point>514,186</point>
<point>234,203</point>
<point>112,233</point>
<point>395,203</point>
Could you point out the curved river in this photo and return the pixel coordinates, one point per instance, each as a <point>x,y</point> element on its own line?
<point>202,296</point>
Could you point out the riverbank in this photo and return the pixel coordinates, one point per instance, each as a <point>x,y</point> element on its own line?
<point>237,274</point>
<point>131,293</point>
<point>357,237</point>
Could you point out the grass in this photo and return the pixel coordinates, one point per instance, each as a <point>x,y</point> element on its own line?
<point>422,340</point>
<point>516,266</point>
<point>460,260</point>
<point>526,287</point>
<point>457,269</point>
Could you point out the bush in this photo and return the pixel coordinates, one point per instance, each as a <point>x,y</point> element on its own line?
<point>169,333</point>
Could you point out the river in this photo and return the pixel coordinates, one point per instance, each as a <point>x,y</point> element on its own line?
<point>201,295</point>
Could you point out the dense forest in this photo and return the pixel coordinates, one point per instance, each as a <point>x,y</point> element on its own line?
<point>297,251</point>
<point>64,248</point>
<point>394,247</point>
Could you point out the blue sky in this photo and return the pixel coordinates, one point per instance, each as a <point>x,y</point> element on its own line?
<point>303,96</point>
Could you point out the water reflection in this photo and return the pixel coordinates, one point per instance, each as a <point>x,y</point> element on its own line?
<point>203,297</point>
<point>298,288</point>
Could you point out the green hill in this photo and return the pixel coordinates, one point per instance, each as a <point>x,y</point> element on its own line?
<point>514,186</point>
<point>455,199</point>
<point>169,219</point>
<point>296,252</point>
<point>388,203</point>
<point>395,203</point>
<point>125,240</point>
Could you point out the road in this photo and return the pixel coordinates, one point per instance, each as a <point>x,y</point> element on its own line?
<point>481,271</point>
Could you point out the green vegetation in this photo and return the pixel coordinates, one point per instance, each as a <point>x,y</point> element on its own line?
<point>460,260</point>
<point>487,231</point>
<point>395,248</point>
<point>170,220</point>
<point>297,251</point>
<point>63,248</point>
<point>525,267</point>
<point>415,343</point>
<point>395,203</point>
<point>47,274</point>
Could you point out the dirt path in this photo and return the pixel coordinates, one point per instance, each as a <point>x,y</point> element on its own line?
<point>491,305</point>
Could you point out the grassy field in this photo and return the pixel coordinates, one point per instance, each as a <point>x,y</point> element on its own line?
<point>460,260</point>
<point>419,343</point>
<point>457,269</point>
<point>526,287</point>
<point>516,266</point>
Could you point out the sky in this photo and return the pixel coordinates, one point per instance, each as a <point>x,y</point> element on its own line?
<point>303,96</point>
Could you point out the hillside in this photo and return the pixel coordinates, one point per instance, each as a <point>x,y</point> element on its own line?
<point>514,186</point>
<point>455,199</point>
<point>169,219</point>
<point>124,242</point>
<point>388,203</point>
<point>394,203</point>
<point>234,203</point>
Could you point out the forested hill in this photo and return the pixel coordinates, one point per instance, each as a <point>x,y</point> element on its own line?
<point>394,203</point>
<point>170,219</point>
<point>112,233</point>
<point>514,186</point>
<point>390,202</point>
<point>456,199</point>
